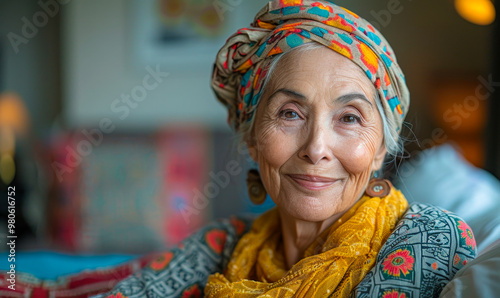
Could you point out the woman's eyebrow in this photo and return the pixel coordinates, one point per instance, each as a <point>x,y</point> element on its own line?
<point>288,92</point>
<point>343,98</point>
<point>352,96</point>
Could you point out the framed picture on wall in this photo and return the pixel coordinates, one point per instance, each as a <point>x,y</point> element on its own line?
<point>185,35</point>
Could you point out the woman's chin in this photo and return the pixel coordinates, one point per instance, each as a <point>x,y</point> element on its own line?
<point>309,209</point>
<point>308,205</point>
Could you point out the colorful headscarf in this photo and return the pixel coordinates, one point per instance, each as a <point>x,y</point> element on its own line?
<point>243,62</point>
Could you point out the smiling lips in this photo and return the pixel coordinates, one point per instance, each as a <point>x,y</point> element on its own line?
<point>312,182</point>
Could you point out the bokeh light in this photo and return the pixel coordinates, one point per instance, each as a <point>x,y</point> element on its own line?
<point>479,12</point>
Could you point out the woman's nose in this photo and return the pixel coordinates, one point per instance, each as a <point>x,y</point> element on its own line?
<point>317,145</point>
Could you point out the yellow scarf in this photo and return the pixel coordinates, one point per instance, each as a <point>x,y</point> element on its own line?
<point>333,266</point>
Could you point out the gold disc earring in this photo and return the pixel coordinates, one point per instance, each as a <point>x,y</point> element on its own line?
<point>378,187</point>
<point>256,190</point>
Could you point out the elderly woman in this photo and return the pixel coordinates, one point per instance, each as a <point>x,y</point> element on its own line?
<point>319,100</point>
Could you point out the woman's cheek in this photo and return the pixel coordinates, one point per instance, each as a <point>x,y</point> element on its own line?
<point>277,141</point>
<point>269,165</point>
<point>273,153</point>
<point>355,155</point>
<point>274,149</point>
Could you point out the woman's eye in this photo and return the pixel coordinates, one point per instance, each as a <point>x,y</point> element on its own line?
<point>289,115</point>
<point>350,119</point>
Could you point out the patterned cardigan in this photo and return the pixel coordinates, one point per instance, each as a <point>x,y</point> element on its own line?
<point>428,246</point>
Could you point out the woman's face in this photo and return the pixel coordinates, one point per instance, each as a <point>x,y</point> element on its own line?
<point>318,134</point>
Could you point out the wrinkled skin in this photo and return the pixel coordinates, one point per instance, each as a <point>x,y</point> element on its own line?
<point>317,117</point>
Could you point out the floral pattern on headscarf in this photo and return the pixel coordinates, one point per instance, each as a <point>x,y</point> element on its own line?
<point>244,61</point>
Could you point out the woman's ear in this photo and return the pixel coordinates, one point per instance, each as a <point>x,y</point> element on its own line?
<point>252,148</point>
<point>379,157</point>
<point>251,143</point>
<point>252,151</point>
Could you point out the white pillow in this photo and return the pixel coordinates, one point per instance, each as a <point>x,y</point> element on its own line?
<point>479,278</point>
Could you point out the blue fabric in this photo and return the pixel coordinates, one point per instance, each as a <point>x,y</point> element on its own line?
<point>51,265</point>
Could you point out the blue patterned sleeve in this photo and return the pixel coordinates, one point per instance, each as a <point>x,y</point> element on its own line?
<point>427,248</point>
<point>184,270</point>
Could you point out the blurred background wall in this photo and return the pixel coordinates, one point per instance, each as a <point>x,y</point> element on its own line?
<point>33,71</point>
<point>126,142</point>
